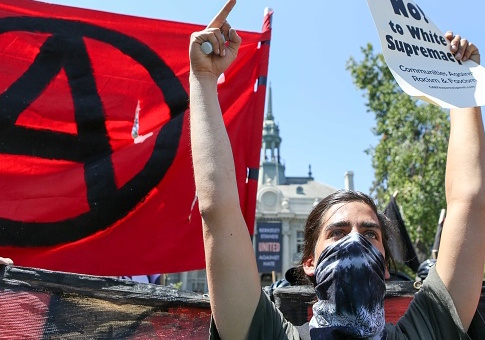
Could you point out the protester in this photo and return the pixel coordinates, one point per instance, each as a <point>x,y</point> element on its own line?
<point>345,236</point>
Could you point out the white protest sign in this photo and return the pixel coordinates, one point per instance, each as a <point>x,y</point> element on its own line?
<point>419,57</point>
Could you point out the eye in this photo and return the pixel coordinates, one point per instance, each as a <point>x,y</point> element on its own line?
<point>337,234</point>
<point>371,234</point>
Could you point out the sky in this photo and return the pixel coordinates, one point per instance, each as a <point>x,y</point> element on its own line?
<point>322,117</point>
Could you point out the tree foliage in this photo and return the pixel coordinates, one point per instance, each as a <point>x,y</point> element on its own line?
<point>411,154</point>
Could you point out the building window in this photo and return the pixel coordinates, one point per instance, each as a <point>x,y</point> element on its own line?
<point>199,281</point>
<point>198,286</point>
<point>300,242</point>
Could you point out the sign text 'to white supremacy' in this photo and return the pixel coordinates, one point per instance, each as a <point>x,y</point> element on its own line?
<point>420,59</point>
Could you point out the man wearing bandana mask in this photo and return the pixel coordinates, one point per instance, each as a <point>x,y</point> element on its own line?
<point>345,238</point>
<point>350,269</point>
<point>350,290</point>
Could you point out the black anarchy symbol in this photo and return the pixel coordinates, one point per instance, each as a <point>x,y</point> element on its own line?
<point>65,49</point>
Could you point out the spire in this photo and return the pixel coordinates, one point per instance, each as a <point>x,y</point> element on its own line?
<point>272,169</point>
<point>269,114</point>
<point>271,134</point>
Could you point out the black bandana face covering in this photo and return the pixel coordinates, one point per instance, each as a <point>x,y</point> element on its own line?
<point>350,288</point>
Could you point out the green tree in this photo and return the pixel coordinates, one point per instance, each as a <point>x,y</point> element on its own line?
<point>411,154</point>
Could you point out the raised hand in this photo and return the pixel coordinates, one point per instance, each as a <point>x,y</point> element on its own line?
<point>224,40</point>
<point>462,48</point>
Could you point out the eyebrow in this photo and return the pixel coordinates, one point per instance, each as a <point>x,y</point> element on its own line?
<point>346,224</point>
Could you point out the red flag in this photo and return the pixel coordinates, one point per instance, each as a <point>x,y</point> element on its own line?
<point>95,168</point>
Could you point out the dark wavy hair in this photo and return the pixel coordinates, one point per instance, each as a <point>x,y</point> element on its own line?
<point>314,224</point>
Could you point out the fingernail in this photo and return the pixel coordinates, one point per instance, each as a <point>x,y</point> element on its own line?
<point>458,55</point>
<point>223,52</point>
<point>453,47</point>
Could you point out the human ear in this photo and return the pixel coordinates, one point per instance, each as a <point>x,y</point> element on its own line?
<point>309,267</point>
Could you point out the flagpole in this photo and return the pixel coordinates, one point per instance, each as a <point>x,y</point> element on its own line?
<point>255,149</point>
<point>437,238</point>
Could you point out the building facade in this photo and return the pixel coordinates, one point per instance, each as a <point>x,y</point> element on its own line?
<point>283,204</point>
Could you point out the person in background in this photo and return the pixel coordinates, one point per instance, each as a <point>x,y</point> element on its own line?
<point>345,236</point>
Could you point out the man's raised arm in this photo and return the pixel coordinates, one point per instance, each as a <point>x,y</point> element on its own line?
<point>462,249</point>
<point>232,274</point>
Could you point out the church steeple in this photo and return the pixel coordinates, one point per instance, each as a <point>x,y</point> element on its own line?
<point>271,134</point>
<point>271,168</point>
<point>269,113</point>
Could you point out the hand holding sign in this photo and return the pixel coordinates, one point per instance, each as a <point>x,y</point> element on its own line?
<point>423,61</point>
<point>462,49</point>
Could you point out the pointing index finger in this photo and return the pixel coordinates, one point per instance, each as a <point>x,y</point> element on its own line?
<point>221,17</point>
